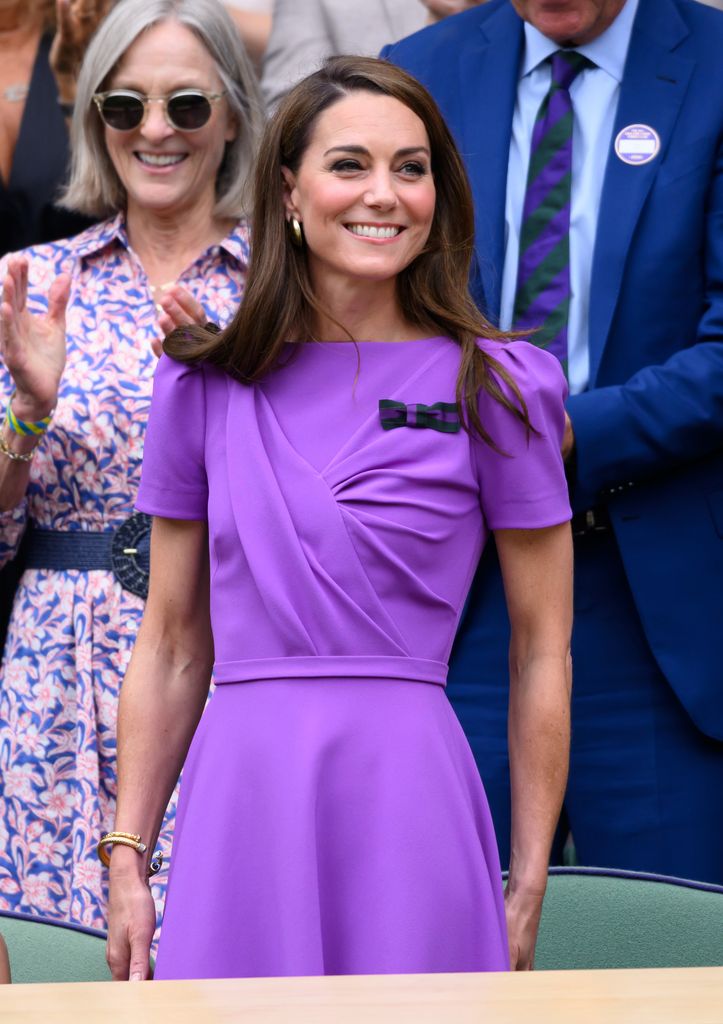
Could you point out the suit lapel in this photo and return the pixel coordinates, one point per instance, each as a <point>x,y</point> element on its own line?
<point>653,87</point>
<point>488,72</point>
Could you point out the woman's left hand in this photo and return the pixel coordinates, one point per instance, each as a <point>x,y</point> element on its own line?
<point>178,308</point>
<point>522,910</point>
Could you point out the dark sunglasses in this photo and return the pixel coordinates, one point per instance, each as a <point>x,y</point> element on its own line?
<point>186,110</point>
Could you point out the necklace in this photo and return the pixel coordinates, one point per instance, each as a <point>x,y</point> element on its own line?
<point>16,92</point>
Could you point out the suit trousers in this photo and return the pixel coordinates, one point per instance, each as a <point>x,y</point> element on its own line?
<point>645,783</point>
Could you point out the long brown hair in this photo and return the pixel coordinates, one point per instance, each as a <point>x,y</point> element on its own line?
<point>279,304</point>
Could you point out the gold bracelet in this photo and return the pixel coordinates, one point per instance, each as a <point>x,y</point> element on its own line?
<point>134,841</point>
<point>16,456</point>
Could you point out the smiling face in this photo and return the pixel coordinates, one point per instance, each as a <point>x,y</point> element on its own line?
<point>569,22</point>
<point>162,169</point>
<point>364,191</point>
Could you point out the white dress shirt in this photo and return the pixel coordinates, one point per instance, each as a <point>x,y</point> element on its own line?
<point>594,93</point>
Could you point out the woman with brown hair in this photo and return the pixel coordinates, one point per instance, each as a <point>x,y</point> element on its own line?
<point>324,474</point>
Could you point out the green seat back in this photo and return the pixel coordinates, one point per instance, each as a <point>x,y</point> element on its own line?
<point>43,950</point>
<point>594,919</point>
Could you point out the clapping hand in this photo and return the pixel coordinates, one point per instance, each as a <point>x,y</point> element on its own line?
<point>178,308</point>
<point>77,20</point>
<point>33,346</point>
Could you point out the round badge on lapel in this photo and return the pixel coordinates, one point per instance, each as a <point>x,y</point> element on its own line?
<point>637,144</point>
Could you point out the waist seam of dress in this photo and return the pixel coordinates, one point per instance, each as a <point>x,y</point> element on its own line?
<point>419,670</point>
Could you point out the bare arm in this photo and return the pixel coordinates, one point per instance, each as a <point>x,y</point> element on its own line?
<point>162,698</point>
<point>537,573</point>
<point>300,40</point>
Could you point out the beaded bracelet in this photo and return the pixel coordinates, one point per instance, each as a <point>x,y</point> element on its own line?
<point>25,427</point>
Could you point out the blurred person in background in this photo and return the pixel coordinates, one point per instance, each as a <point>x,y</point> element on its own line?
<point>439,9</point>
<point>305,32</point>
<point>253,20</point>
<point>161,152</point>
<point>33,132</point>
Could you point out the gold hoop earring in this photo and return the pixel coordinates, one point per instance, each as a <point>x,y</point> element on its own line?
<point>297,236</point>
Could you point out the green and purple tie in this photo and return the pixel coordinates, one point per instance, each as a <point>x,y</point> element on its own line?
<point>542,299</point>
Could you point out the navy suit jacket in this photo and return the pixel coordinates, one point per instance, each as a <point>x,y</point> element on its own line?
<point>649,429</point>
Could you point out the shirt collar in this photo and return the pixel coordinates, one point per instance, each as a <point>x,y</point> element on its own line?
<point>608,51</point>
<point>99,236</point>
<point>236,243</point>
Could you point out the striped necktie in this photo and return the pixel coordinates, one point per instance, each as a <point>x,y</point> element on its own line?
<point>542,299</point>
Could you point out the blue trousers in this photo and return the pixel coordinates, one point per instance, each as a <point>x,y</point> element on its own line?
<point>645,785</point>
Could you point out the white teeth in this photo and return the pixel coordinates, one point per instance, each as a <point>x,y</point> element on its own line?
<point>371,231</point>
<point>160,159</point>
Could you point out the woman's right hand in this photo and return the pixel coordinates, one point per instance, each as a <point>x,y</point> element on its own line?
<point>32,346</point>
<point>76,22</point>
<point>131,924</point>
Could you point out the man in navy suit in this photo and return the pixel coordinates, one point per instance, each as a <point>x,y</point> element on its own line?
<point>644,446</point>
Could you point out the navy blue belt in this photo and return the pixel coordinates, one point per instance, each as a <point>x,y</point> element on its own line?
<point>124,551</point>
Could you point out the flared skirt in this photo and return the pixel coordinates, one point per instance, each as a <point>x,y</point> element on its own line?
<point>331,826</point>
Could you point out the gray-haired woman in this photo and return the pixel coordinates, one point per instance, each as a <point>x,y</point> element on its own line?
<point>164,131</point>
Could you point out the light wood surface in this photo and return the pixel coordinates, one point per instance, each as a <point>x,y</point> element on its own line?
<point>680,996</point>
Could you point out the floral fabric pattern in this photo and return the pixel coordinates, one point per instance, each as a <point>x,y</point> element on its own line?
<point>71,633</point>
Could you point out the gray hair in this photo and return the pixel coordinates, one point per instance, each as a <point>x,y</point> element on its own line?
<point>94,187</point>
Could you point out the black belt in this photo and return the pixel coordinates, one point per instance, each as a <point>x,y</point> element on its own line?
<point>124,551</point>
<point>591,521</point>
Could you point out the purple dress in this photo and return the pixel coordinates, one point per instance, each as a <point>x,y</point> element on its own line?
<point>331,818</point>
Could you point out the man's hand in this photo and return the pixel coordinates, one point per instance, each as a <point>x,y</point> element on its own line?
<point>568,439</point>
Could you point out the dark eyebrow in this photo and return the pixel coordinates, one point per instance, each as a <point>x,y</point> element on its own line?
<point>408,151</point>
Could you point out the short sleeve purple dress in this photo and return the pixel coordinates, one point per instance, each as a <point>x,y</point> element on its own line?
<point>331,817</point>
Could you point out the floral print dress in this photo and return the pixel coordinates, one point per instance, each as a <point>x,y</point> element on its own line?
<point>71,633</point>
